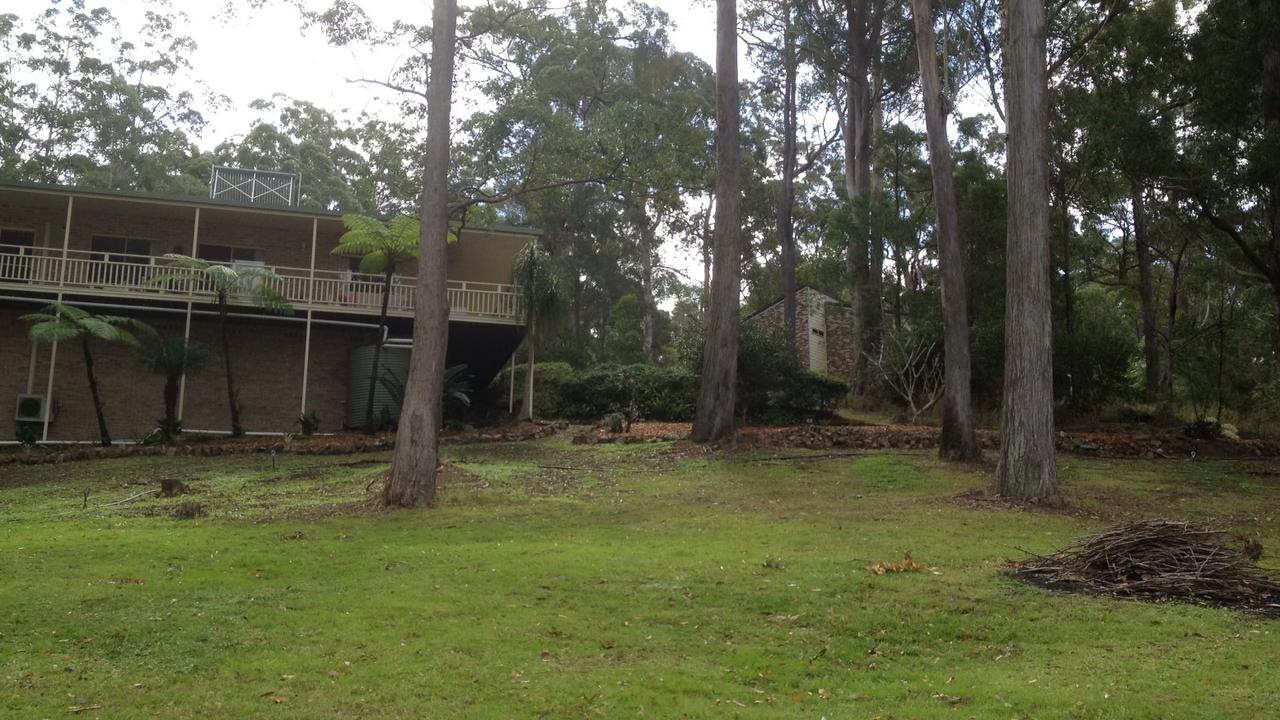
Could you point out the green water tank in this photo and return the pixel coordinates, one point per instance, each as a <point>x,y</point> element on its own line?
<point>393,370</point>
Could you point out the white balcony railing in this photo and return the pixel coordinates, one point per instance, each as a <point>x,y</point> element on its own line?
<point>141,276</point>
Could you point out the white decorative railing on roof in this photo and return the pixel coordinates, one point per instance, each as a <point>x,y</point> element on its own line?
<point>145,276</point>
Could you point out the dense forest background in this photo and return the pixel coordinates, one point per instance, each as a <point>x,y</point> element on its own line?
<point>1164,173</point>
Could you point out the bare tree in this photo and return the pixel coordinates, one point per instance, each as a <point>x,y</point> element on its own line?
<point>911,368</point>
<point>714,418</point>
<point>412,482</point>
<point>958,439</point>
<point>1027,468</point>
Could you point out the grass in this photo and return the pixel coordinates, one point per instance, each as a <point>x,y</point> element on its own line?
<point>561,581</point>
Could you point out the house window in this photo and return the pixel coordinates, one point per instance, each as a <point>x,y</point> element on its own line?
<point>226,253</point>
<point>16,268</point>
<point>13,236</point>
<point>112,246</point>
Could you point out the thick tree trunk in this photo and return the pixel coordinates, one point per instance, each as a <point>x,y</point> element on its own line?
<point>1027,468</point>
<point>862,35</point>
<point>104,437</point>
<point>1146,295</point>
<point>369,427</point>
<point>412,482</point>
<point>787,195</point>
<point>959,442</point>
<point>717,393</point>
<point>237,429</point>
<point>649,303</point>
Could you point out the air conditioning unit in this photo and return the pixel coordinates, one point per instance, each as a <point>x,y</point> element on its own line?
<point>32,408</point>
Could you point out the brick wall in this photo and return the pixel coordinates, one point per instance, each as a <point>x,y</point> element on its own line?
<point>267,359</point>
<point>839,335</point>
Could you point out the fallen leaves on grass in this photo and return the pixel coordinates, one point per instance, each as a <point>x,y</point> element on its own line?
<point>907,564</point>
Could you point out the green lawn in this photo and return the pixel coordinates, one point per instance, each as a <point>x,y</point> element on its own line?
<point>561,581</point>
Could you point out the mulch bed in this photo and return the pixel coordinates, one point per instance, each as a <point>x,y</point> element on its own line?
<point>912,437</point>
<point>1116,444</point>
<point>209,446</point>
<point>1160,561</point>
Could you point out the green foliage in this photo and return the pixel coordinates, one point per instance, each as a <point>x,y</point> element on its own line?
<point>381,246</point>
<point>309,422</point>
<point>259,285</point>
<point>457,394</point>
<point>638,391</point>
<point>625,341</point>
<point>773,387</point>
<point>28,433</point>
<point>60,322</point>
<point>172,357</point>
<point>1091,365</point>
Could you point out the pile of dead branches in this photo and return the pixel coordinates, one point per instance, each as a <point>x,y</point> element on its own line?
<point>1160,560</point>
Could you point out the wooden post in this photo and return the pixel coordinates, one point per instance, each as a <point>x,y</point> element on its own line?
<point>311,292</point>
<point>53,348</point>
<point>186,330</point>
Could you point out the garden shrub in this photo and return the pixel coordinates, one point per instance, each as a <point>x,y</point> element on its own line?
<point>549,380</point>
<point>773,387</point>
<point>638,391</point>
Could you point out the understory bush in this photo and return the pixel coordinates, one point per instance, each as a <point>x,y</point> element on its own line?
<point>773,387</point>
<point>637,391</point>
<point>1091,362</point>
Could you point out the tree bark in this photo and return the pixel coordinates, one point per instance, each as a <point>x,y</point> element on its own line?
<point>237,429</point>
<point>171,388</point>
<point>787,196</point>
<point>412,482</point>
<point>862,34</point>
<point>1027,468</point>
<point>369,427</point>
<point>1146,294</point>
<point>959,441</point>
<point>104,437</point>
<point>649,305</point>
<point>1175,287</point>
<point>717,393</point>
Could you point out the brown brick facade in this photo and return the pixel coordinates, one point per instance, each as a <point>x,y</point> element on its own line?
<point>838,334</point>
<point>267,359</point>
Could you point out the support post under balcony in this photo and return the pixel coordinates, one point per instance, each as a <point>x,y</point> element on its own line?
<point>186,329</point>
<point>53,348</point>
<point>311,291</point>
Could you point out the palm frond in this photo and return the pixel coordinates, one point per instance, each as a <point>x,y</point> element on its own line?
<point>374,263</point>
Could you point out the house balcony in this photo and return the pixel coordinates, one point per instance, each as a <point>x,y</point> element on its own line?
<point>146,277</point>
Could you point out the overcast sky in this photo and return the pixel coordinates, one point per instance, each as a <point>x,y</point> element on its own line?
<point>246,53</point>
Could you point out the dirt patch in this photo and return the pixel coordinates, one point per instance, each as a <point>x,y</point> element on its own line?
<point>979,499</point>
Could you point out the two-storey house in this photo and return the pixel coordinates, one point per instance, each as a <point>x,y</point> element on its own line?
<point>103,252</point>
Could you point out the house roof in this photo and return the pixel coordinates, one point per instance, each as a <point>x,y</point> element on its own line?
<point>799,290</point>
<point>164,199</point>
